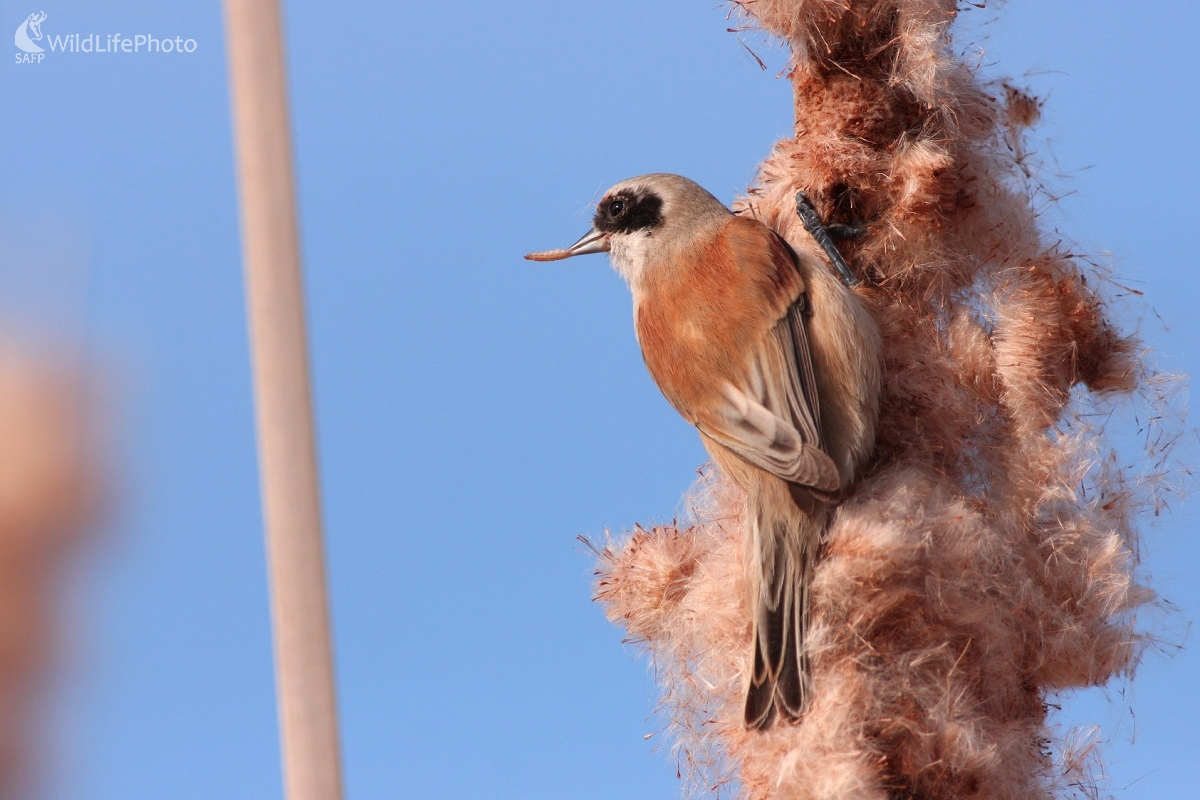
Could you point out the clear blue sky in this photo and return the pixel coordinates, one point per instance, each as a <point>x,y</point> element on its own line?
<point>475,412</point>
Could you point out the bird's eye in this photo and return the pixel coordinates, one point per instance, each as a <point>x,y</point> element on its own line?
<point>616,208</point>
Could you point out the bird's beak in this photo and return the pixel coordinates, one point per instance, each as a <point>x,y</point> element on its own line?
<point>593,241</point>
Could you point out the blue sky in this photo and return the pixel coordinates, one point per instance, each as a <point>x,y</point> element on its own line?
<point>475,412</point>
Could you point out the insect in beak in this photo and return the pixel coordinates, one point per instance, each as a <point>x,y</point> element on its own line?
<point>593,241</point>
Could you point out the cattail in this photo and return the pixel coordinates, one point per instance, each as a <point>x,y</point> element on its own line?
<point>986,557</point>
<point>48,490</point>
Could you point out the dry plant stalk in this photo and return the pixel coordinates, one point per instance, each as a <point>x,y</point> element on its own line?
<point>46,497</point>
<point>987,556</point>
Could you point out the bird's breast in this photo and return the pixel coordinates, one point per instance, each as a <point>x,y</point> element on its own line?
<point>703,315</point>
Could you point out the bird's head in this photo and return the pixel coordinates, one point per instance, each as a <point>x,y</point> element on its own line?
<point>644,221</point>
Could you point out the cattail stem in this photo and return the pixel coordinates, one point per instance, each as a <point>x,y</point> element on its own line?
<point>283,406</point>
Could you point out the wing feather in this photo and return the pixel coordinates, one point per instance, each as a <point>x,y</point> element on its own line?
<point>772,417</point>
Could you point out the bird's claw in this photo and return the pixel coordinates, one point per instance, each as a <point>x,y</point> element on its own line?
<point>824,234</point>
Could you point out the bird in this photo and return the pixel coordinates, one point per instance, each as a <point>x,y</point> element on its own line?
<point>757,343</point>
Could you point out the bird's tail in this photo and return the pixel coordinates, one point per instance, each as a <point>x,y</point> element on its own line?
<point>782,548</point>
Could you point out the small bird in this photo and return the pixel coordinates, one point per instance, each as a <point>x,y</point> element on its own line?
<point>758,344</point>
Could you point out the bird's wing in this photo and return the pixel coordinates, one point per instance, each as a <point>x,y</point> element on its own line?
<point>772,419</point>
